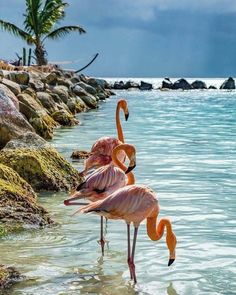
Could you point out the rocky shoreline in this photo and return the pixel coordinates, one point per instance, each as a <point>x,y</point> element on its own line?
<point>32,105</point>
<point>167,84</point>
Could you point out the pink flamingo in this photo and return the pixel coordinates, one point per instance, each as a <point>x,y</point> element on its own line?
<point>101,151</point>
<point>106,180</point>
<point>134,203</point>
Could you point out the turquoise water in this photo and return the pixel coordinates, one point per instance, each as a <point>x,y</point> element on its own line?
<point>186,151</point>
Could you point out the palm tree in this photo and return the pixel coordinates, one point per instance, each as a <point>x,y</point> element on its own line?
<point>39,25</point>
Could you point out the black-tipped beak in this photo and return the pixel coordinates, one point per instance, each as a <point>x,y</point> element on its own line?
<point>126,117</point>
<point>170,261</point>
<point>130,168</point>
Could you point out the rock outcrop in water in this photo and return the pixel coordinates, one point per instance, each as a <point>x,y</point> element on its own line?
<point>228,84</point>
<point>9,276</point>
<point>39,164</point>
<point>18,206</point>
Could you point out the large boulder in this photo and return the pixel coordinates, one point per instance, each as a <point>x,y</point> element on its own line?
<point>10,94</point>
<point>145,86</point>
<point>228,84</point>
<point>131,84</point>
<point>182,84</point>
<point>119,85</point>
<point>62,92</point>
<point>199,85</point>
<point>64,118</point>
<point>87,88</point>
<point>40,165</point>
<point>95,82</point>
<point>47,101</point>
<point>12,123</point>
<point>14,87</point>
<point>8,276</point>
<point>89,100</point>
<point>19,77</point>
<point>18,206</point>
<point>167,84</point>
<point>31,107</point>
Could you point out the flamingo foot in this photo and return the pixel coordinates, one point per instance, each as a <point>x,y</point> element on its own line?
<point>132,271</point>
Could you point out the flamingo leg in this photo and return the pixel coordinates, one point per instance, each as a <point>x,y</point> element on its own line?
<point>132,255</point>
<point>102,240</point>
<point>129,252</point>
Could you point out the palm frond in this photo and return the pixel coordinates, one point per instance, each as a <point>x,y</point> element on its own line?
<point>16,31</point>
<point>63,31</point>
<point>31,22</point>
<point>52,13</point>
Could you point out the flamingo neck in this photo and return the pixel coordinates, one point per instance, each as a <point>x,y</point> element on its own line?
<point>118,124</point>
<point>117,162</point>
<point>155,232</point>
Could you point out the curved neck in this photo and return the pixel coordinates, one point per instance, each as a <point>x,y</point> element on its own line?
<point>118,124</point>
<point>117,162</point>
<point>155,232</point>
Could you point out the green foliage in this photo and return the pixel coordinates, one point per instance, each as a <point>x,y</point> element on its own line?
<point>41,17</point>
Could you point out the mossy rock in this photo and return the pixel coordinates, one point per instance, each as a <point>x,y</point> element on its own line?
<point>64,118</point>
<point>18,206</point>
<point>44,168</point>
<point>8,276</point>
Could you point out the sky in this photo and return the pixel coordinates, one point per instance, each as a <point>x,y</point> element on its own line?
<point>140,38</point>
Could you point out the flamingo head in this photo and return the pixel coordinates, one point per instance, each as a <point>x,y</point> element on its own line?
<point>124,105</point>
<point>171,242</point>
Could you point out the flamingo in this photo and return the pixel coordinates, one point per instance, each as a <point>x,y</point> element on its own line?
<point>134,203</point>
<point>101,150</point>
<point>106,180</point>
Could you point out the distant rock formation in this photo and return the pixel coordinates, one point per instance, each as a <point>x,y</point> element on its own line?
<point>167,84</point>
<point>199,85</point>
<point>182,84</point>
<point>145,86</point>
<point>228,84</point>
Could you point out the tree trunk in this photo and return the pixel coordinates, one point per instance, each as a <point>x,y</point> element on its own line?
<point>40,53</point>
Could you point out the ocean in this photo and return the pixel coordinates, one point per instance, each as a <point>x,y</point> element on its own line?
<point>186,152</point>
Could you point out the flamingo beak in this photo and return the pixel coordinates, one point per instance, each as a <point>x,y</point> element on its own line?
<point>171,261</point>
<point>127,116</point>
<point>70,202</point>
<point>130,168</point>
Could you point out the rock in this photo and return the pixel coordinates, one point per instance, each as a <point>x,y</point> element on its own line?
<point>37,85</point>
<point>47,101</point>
<point>119,85</point>
<point>10,94</point>
<point>80,105</point>
<point>167,84</point>
<point>37,116</point>
<point>94,82</point>
<point>60,104</point>
<point>87,88</point>
<point>89,100</point>
<point>78,90</point>
<point>18,206</point>
<point>131,84</point>
<point>64,82</point>
<point>19,77</point>
<point>51,79</point>
<point>62,92</point>
<point>75,80</point>
<point>9,276</point>
<point>182,84</point>
<point>64,118</point>
<point>199,85</point>
<point>145,86</point>
<point>80,155</point>
<point>29,139</point>
<point>12,123</point>
<point>41,166</point>
<point>228,84</point>
<point>14,87</point>
<point>212,87</point>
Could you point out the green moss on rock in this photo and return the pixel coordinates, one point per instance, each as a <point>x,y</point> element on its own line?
<point>43,168</point>
<point>18,207</point>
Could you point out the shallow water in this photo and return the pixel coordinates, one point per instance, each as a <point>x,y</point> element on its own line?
<point>186,151</point>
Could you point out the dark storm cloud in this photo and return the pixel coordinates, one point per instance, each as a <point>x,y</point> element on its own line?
<point>143,37</point>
